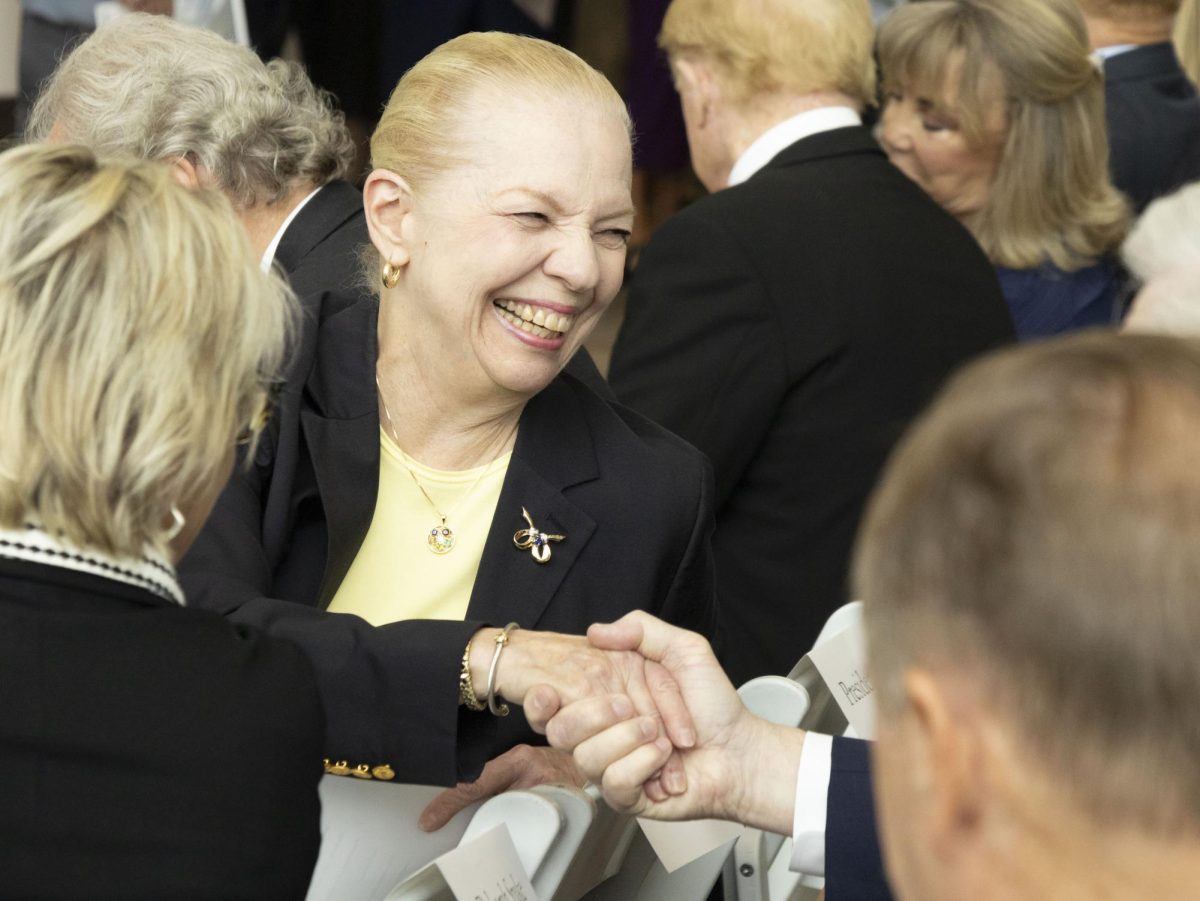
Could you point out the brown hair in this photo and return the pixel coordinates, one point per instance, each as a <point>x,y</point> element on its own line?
<point>1035,536</point>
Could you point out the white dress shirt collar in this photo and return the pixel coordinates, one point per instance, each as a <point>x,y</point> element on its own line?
<point>768,145</point>
<point>1115,50</point>
<point>269,256</point>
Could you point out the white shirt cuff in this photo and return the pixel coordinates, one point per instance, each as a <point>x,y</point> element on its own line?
<point>812,800</point>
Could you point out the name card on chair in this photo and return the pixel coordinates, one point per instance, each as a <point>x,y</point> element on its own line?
<point>842,663</point>
<point>487,869</point>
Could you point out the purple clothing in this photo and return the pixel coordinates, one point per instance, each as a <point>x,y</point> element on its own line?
<point>660,143</point>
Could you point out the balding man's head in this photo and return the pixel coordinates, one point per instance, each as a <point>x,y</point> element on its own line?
<point>1034,551</point>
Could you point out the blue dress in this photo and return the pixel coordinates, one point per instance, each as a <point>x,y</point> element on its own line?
<point>1047,301</point>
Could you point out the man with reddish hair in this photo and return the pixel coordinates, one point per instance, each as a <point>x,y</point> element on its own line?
<point>791,323</point>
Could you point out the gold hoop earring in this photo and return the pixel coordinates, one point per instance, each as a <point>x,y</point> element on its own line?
<point>391,275</point>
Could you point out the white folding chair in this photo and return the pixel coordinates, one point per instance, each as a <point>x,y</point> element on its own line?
<point>566,840</point>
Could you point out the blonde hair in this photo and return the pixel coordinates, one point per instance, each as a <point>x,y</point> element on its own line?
<point>1034,537</point>
<point>149,88</point>
<point>425,121</point>
<point>1052,199</point>
<point>766,46</point>
<point>1187,38</point>
<point>138,336</point>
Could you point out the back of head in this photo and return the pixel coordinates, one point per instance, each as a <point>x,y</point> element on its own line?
<point>138,335</point>
<point>147,87</point>
<point>1052,198</point>
<point>428,116</point>
<point>1034,540</point>
<point>778,46</point>
<point>1130,11</point>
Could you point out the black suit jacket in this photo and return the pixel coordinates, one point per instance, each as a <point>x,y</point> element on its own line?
<point>790,327</point>
<point>634,502</point>
<point>149,751</point>
<point>1153,123</point>
<point>320,251</point>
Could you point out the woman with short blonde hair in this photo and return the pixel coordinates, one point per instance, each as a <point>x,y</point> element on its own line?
<point>142,743</point>
<point>996,108</point>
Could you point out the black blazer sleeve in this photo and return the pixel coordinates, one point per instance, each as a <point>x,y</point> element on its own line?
<point>699,352</point>
<point>390,693</point>
<point>853,861</point>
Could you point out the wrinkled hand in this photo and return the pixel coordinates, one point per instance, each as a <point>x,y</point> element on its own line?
<point>521,767</point>
<point>739,767</point>
<point>154,7</point>
<point>568,668</point>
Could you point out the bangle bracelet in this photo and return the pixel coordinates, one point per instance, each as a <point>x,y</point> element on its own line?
<point>466,692</point>
<point>501,640</point>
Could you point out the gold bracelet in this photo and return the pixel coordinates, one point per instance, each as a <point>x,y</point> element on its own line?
<point>501,640</point>
<point>466,691</point>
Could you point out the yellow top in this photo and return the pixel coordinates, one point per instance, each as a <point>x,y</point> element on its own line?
<point>395,574</point>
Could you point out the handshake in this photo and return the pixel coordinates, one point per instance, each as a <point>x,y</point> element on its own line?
<point>650,717</point>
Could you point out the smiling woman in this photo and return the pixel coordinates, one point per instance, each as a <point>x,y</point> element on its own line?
<point>447,474</point>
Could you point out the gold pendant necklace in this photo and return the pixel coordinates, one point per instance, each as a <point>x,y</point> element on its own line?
<point>440,539</point>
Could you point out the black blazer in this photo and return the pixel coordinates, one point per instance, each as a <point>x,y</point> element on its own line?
<point>790,327</point>
<point>149,751</point>
<point>634,502</point>
<point>1153,123</point>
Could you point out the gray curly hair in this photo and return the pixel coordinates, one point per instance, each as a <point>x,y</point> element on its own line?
<point>149,88</point>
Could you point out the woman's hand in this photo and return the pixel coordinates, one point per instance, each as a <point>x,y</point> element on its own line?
<point>521,767</point>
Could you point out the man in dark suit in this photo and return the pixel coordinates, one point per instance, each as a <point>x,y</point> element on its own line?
<point>1153,108</point>
<point>1031,581</point>
<point>790,324</point>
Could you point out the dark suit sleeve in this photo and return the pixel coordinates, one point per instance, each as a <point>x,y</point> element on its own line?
<point>853,861</point>
<point>699,352</point>
<point>390,693</point>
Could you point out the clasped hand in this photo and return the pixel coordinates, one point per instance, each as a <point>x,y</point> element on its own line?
<point>727,763</point>
<point>648,714</point>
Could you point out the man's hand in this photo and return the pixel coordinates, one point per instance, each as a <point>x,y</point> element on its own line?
<point>521,767</point>
<point>739,768</point>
